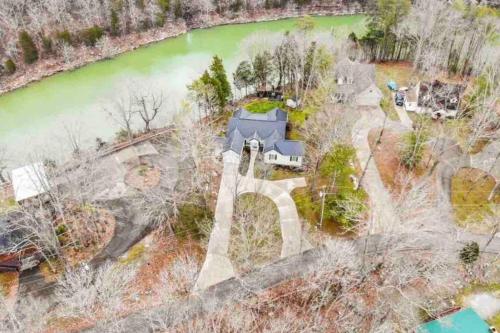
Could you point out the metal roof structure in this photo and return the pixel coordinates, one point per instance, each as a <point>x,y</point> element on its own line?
<point>29,181</point>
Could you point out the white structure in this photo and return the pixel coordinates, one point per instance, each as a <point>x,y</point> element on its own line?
<point>29,181</point>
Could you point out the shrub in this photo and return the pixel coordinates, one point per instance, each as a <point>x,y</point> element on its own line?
<point>61,229</point>
<point>64,36</point>
<point>346,204</point>
<point>10,67</point>
<point>469,253</point>
<point>190,217</point>
<point>413,149</point>
<point>29,48</point>
<point>90,36</point>
<point>47,45</point>
<point>115,23</point>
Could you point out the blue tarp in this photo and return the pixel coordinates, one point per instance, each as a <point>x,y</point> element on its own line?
<point>464,321</point>
<point>392,85</point>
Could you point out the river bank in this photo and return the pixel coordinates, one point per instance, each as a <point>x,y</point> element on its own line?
<point>86,55</point>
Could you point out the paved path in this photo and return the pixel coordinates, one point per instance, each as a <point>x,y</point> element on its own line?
<point>403,116</point>
<point>383,213</point>
<point>217,266</point>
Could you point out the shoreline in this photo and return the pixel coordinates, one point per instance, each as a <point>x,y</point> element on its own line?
<point>84,56</point>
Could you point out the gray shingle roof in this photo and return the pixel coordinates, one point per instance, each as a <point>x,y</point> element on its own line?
<point>361,75</point>
<point>289,148</point>
<point>268,128</point>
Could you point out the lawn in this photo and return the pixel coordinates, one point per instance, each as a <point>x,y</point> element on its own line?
<point>470,189</point>
<point>263,105</point>
<point>401,73</point>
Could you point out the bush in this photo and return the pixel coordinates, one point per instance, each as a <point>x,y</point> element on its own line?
<point>470,253</point>
<point>90,36</point>
<point>47,44</point>
<point>346,204</point>
<point>61,229</point>
<point>189,219</point>
<point>413,149</point>
<point>29,48</point>
<point>64,36</point>
<point>10,67</point>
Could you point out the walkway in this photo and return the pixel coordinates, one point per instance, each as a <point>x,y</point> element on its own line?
<point>217,266</point>
<point>382,213</point>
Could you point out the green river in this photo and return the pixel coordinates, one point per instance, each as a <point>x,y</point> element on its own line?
<point>35,120</point>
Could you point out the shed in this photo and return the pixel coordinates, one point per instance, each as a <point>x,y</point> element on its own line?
<point>463,321</point>
<point>29,181</point>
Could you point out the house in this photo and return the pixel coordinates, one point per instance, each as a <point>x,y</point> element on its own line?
<point>265,132</point>
<point>438,99</point>
<point>29,181</point>
<point>356,83</point>
<point>465,320</point>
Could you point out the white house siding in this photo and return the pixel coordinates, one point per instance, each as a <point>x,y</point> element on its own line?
<point>282,159</point>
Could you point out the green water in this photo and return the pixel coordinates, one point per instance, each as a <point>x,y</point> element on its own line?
<point>35,120</point>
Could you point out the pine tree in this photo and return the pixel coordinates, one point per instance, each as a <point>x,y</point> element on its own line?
<point>29,48</point>
<point>220,81</point>
<point>10,67</point>
<point>115,23</point>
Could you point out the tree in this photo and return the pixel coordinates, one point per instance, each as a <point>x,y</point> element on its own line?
<point>220,82</point>
<point>10,67</point>
<point>469,253</point>
<point>148,106</point>
<point>30,51</point>
<point>90,36</point>
<point>115,23</point>
<point>204,93</point>
<point>414,144</point>
<point>262,68</point>
<point>244,76</point>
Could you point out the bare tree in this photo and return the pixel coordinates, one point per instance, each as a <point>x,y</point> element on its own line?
<point>123,113</point>
<point>148,106</point>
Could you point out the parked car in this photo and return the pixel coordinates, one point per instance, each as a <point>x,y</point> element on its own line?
<point>399,98</point>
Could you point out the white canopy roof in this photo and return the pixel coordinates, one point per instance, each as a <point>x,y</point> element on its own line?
<point>29,181</point>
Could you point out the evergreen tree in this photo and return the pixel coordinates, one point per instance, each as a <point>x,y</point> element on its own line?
<point>469,253</point>
<point>115,23</point>
<point>220,82</point>
<point>244,76</point>
<point>10,67</point>
<point>178,12</point>
<point>29,48</point>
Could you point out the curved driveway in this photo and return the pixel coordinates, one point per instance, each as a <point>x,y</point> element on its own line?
<point>217,266</point>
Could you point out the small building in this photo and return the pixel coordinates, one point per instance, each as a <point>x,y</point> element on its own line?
<point>356,83</point>
<point>463,321</point>
<point>265,132</point>
<point>29,181</point>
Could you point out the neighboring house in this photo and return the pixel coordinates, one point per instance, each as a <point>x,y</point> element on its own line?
<point>265,132</point>
<point>436,98</point>
<point>356,83</point>
<point>29,181</point>
<point>463,321</point>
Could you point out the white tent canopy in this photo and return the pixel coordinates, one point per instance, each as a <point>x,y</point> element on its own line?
<point>29,181</point>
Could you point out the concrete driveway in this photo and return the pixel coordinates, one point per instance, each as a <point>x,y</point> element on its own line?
<point>217,266</point>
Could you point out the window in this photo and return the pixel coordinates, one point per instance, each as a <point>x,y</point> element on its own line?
<point>273,157</point>
<point>294,158</point>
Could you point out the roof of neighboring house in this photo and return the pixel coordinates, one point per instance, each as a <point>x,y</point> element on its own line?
<point>29,181</point>
<point>361,75</point>
<point>466,320</point>
<point>268,128</point>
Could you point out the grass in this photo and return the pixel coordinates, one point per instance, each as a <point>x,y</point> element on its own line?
<point>7,205</point>
<point>263,105</point>
<point>470,189</point>
<point>134,254</point>
<point>402,74</point>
